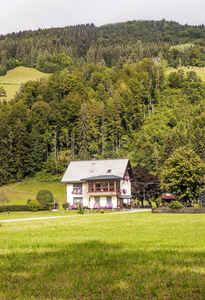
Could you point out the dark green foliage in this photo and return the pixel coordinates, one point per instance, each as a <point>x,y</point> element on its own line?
<point>145,181</point>
<point>45,199</point>
<point>5,208</point>
<point>201,198</point>
<point>175,205</point>
<point>3,70</point>
<point>91,109</point>
<point>183,174</point>
<point>80,209</point>
<point>97,112</point>
<point>110,45</point>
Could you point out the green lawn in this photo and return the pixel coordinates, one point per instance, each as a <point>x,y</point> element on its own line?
<point>120,256</point>
<point>19,193</point>
<point>13,79</point>
<point>200,71</point>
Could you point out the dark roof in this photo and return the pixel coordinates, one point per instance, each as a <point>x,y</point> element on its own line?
<point>102,177</point>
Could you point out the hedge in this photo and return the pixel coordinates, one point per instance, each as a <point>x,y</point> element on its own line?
<point>5,208</point>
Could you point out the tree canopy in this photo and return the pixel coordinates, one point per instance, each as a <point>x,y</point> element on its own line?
<point>182,174</point>
<point>108,95</point>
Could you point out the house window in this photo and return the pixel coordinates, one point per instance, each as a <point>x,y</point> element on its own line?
<point>97,200</point>
<point>109,200</point>
<point>104,186</point>
<point>112,186</point>
<point>98,186</point>
<point>77,200</point>
<point>91,186</point>
<point>77,186</point>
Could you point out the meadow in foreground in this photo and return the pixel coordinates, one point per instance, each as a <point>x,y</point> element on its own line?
<point>119,256</point>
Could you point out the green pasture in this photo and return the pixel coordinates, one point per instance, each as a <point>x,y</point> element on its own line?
<point>19,193</point>
<point>104,256</point>
<point>13,79</point>
<point>200,71</point>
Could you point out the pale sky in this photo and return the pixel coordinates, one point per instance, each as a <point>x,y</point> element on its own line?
<point>22,15</point>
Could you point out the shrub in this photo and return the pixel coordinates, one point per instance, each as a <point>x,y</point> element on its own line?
<point>80,209</point>
<point>34,205</point>
<point>66,205</point>
<point>175,205</point>
<point>45,199</point>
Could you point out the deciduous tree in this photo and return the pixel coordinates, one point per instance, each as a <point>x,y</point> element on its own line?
<point>182,174</point>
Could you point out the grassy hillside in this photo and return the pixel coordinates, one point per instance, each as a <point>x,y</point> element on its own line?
<point>13,79</point>
<point>105,256</point>
<point>19,193</point>
<point>200,71</point>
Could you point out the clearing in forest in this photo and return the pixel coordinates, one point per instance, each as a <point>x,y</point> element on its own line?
<point>14,78</point>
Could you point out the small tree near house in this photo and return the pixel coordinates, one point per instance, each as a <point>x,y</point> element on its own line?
<point>80,209</point>
<point>45,199</point>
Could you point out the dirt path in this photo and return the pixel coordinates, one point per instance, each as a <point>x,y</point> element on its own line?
<point>58,217</point>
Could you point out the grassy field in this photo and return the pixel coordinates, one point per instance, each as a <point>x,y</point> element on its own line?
<point>200,71</point>
<point>13,79</point>
<point>120,256</point>
<point>19,193</point>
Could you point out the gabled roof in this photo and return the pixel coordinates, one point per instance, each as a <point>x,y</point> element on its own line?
<point>85,169</point>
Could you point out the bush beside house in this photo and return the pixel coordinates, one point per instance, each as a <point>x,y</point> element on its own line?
<point>45,199</point>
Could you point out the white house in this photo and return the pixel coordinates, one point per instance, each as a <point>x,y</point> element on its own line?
<point>99,183</point>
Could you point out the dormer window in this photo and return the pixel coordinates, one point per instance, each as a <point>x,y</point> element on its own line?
<point>109,171</point>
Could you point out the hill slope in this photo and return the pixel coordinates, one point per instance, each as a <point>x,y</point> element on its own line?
<point>14,78</point>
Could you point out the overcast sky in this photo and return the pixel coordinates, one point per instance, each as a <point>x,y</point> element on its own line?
<point>21,15</point>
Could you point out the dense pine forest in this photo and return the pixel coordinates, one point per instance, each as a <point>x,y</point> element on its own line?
<point>107,96</point>
<point>110,45</point>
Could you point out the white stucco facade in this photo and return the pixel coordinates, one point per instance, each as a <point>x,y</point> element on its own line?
<point>89,199</point>
<point>99,183</point>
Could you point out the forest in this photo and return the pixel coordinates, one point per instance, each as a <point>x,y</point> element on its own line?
<point>108,96</point>
<point>111,45</point>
